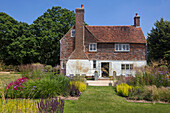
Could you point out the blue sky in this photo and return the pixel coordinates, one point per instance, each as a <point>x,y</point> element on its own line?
<point>97,12</point>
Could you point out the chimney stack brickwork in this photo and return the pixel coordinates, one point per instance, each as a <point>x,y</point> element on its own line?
<point>78,53</point>
<point>137,20</point>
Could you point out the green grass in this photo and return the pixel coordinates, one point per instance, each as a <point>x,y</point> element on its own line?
<point>105,100</point>
<point>7,78</point>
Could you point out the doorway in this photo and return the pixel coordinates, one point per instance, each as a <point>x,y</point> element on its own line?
<point>105,69</point>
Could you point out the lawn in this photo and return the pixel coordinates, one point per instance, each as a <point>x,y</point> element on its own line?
<point>101,100</point>
<point>7,77</point>
<point>105,100</point>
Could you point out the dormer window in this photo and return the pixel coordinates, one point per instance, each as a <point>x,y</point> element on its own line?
<point>73,33</point>
<point>93,47</point>
<point>122,47</point>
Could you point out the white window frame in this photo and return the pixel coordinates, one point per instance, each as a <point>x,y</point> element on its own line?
<point>62,64</point>
<point>94,48</point>
<point>73,30</point>
<point>122,47</point>
<point>130,66</point>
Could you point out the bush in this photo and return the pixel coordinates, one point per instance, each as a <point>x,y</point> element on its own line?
<point>56,69</point>
<point>153,75</point>
<point>51,105</point>
<point>48,68</point>
<point>14,89</point>
<point>74,91</point>
<point>47,87</point>
<point>151,93</point>
<point>79,78</point>
<point>164,94</point>
<point>124,89</point>
<point>81,86</point>
<point>31,70</point>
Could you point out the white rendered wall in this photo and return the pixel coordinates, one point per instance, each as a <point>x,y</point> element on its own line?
<point>78,67</point>
<point>86,67</point>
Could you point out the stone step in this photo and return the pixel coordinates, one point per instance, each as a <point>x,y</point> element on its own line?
<point>99,83</point>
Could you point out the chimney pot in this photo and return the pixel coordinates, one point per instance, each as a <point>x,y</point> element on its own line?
<point>82,6</point>
<point>137,20</point>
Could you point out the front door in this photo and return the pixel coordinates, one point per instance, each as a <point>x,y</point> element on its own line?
<point>105,69</point>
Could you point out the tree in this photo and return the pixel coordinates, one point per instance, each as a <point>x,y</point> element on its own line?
<point>17,41</point>
<point>21,43</point>
<point>49,29</point>
<point>158,41</point>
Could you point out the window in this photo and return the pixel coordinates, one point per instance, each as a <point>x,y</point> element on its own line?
<point>127,66</point>
<point>121,47</point>
<point>94,63</point>
<point>93,47</point>
<point>62,65</point>
<point>73,33</point>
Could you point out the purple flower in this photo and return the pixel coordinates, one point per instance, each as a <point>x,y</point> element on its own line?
<point>33,86</point>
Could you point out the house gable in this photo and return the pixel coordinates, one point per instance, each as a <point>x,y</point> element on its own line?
<point>67,45</point>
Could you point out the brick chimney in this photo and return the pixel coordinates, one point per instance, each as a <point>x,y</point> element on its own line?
<point>137,20</point>
<point>78,53</point>
<point>79,28</point>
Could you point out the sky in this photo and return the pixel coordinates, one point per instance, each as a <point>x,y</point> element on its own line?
<point>97,12</point>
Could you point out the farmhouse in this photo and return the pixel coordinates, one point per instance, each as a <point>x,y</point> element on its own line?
<point>105,50</point>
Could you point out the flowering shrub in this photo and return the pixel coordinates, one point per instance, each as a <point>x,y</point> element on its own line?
<point>124,89</point>
<point>14,88</point>
<point>81,86</point>
<point>74,91</point>
<point>47,87</point>
<point>54,105</point>
<point>153,76</point>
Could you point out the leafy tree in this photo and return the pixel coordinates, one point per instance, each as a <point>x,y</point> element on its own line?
<point>49,29</point>
<point>17,42</point>
<point>21,43</point>
<point>159,41</point>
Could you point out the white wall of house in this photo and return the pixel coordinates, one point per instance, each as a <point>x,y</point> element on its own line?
<point>86,67</point>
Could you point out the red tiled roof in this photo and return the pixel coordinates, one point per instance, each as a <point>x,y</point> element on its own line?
<point>118,34</point>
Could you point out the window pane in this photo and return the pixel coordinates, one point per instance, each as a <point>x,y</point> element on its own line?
<point>95,46</point>
<point>127,66</point>
<point>90,46</point>
<point>123,66</point>
<point>127,47</point>
<point>131,66</point>
<point>94,63</point>
<point>117,46</point>
<point>124,47</point>
<point>120,47</point>
<point>73,33</point>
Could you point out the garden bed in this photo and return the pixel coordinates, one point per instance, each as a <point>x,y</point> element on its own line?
<point>145,101</point>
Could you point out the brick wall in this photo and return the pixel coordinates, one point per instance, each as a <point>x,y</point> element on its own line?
<point>106,51</point>
<point>67,46</point>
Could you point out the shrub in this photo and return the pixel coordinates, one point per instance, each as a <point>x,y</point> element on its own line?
<point>31,70</point>
<point>47,87</point>
<point>164,94</point>
<point>51,105</point>
<point>14,89</point>
<point>56,69</point>
<point>79,78</point>
<point>153,75</point>
<point>74,91</point>
<point>81,86</point>
<point>124,89</point>
<point>48,68</point>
